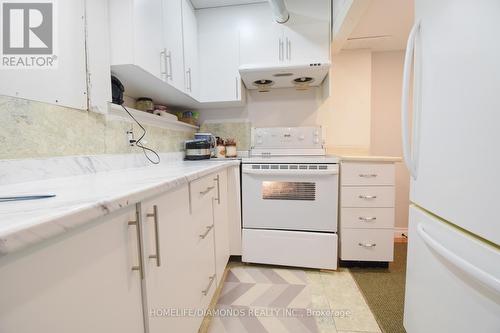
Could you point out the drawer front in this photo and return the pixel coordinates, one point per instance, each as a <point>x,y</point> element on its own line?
<point>367,196</point>
<point>205,269</point>
<point>367,218</point>
<point>367,244</point>
<point>198,285</point>
<point>290,248</point>
<point>202,191</point>
<point>362,174</point>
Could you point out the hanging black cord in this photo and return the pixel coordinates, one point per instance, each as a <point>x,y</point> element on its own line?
<point>138,142</point>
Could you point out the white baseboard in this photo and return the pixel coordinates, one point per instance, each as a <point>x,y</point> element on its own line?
<point>399,231</point>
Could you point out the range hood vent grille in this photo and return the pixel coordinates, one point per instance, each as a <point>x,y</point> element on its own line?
<point>301,77</point>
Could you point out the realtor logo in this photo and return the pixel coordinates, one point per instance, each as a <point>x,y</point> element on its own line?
<point>28,32</point>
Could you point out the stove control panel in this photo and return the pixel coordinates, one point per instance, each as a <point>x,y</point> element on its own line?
<point>287,137</point>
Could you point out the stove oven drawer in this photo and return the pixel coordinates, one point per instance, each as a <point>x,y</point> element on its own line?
<point>290,248</point>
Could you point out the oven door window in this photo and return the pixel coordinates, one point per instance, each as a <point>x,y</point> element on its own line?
<point>289,190</point>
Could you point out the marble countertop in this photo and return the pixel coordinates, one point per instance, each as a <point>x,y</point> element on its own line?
<point>349,154</point>
<point>82,198</point>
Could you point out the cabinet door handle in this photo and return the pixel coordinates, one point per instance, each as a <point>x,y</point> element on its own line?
<point>281,50</point>
<point>288,49</point>
<point>168,59</point>
<point>188,79</point>
<point>209,228</point>
<point>368,197</point>
<point>137,223</point>
<point>236,85</point>
<point>367,245</point>
<point>210,188</point>
<point>217,179</point>
<point>157,236</point>
<point>207,289</point>
<point>367,219</point>
<point>368,175</point>
<point>163,63</point>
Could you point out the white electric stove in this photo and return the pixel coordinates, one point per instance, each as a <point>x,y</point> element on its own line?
<point>290,199</point>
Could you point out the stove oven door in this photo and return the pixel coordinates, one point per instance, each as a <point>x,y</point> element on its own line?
<point>290,197</point>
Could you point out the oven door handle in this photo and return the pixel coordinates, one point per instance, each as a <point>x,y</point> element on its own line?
<point>292,172</point>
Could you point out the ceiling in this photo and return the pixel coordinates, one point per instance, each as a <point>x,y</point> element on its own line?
<point>383,27</point>
<point>199,4</point>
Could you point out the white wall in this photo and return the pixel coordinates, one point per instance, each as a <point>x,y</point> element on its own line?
<point>387,72</point>
<point>346,114</point>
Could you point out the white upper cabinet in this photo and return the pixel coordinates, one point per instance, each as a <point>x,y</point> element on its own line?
<point>305,38</point>
<point>261,39</point>
<point>198,52</point>
<point>148,35</point>
<point>190,36</point>
<point>65,84</point>
<point>219,56</point>
<point>306,42</point>
<point>263,45</point>
<point>173,46</point>
<point>136,29</point>
<point>307,33</point>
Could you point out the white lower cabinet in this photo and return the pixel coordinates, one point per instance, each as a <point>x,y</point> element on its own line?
<point>150,268</point>
<point>166,224</point>
<point>221,219</point>
<point>80,282</point>
<point>367,197</point>
<point>367,244</point>
<point>186,246</point>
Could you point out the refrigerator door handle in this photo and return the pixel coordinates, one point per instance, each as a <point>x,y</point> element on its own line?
<point>405,99</point>
<point>474,272</point>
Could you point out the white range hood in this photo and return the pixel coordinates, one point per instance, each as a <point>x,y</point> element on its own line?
<point>301,77</point>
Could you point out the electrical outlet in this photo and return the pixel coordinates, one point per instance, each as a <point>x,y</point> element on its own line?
<point>130,138</point>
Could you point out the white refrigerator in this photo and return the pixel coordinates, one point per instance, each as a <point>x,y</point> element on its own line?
<point>452,149</point>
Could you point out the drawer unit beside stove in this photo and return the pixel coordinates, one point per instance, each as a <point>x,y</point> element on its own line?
<point>367,197</point>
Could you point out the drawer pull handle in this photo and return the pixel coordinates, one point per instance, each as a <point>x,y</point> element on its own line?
<point>207,232</point>
<point>368,197</point>
<point>371,175</point>
<point>157,236</point>
<point>138,224</point>
<point>217,179</point>
<point>367,219</point>
<point>367,245</point>
<point>206,290</point>
<point>210,188</point>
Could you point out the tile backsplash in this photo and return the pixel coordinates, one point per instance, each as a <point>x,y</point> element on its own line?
<point>35,129</point>
<point>240,131</point>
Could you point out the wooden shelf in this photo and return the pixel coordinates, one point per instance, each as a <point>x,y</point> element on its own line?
<point>117,112</point>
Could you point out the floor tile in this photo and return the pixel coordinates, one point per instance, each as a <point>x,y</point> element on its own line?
<point>344,296</point>
<point>275,299</point>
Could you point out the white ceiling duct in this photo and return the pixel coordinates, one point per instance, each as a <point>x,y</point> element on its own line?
<point>281,14</point>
